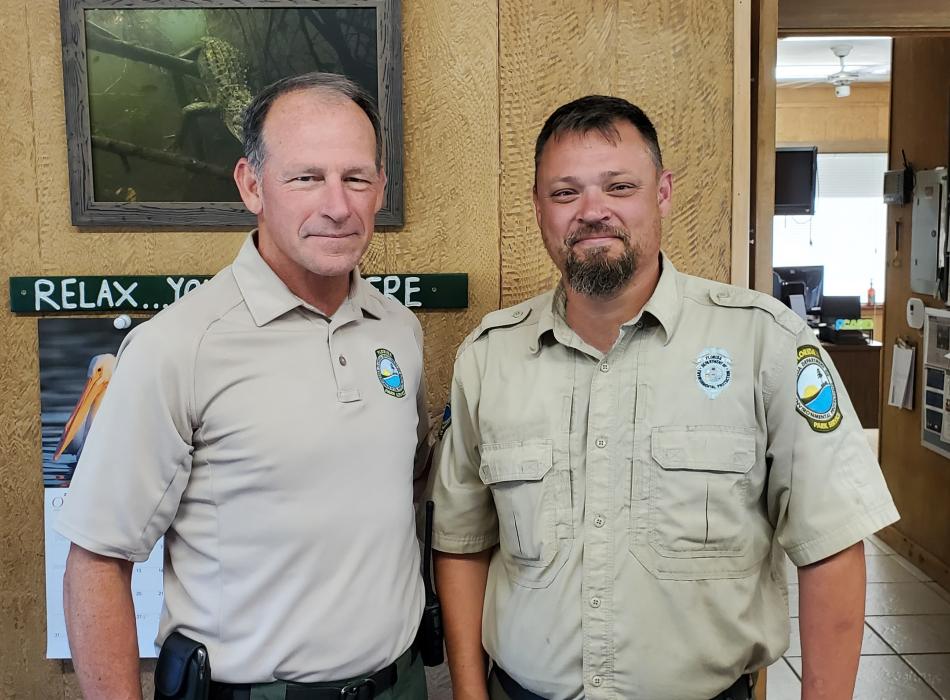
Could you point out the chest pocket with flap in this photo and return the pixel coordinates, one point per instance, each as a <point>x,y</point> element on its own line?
<point>525,490</point>
<point>702,513</point>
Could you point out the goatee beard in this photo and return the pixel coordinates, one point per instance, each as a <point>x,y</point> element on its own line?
<point>596,274</point>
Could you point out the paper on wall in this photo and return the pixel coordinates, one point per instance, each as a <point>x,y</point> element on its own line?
<point>901,393</point>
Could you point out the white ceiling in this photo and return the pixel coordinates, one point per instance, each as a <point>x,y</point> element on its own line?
<point>810,59</point>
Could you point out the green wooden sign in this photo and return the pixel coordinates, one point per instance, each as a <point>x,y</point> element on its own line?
<point>151,293</point>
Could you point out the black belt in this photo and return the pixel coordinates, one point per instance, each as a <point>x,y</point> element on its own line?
<point>740,690</point>
<point>360,689</point>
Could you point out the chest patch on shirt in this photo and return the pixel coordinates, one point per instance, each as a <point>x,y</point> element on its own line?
<point>816,394</point>
<point>713,371</point>
<point>390,376</point>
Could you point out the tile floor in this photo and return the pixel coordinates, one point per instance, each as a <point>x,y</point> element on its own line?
<point>906,650</point>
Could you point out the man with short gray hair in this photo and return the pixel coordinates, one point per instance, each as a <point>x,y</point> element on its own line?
<point>268,425</point>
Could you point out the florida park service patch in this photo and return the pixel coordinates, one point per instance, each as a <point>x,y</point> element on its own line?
<point>816,394</point>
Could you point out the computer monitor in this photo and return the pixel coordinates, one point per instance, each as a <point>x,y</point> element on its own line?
<point>833,308</point>
<point>806,280</point>
<point>796,180</point>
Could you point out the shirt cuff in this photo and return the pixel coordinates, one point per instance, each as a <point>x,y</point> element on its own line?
<point>840,539</point>
<point>97,547</point>
<point>463,544</point>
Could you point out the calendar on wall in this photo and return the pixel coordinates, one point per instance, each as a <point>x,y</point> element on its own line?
<point>76,359</point>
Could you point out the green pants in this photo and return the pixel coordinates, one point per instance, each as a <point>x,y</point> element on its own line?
<point>410,683</point>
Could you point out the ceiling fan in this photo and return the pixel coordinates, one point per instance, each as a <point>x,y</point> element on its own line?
<point>843,78</point>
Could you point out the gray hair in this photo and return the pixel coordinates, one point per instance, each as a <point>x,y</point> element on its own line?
<point>254,148</point>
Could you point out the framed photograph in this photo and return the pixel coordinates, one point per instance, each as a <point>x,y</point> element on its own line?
<point>155,90</point>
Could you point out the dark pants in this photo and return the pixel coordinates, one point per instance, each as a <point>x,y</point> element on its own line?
<point>410,684</point>
<point>740,690</point>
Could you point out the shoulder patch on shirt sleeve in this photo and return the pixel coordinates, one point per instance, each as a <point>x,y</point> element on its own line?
<point>816,396</point>
<point>446,420</point>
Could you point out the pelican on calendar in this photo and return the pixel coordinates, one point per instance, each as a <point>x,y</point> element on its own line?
<point>77,427</point>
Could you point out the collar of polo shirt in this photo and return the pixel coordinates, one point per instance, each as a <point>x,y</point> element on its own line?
<point>267,297</point>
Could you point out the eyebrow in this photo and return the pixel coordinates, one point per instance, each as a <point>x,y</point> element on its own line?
<point>605,175</point>
<point>360,170</point>
<point>317,170</point>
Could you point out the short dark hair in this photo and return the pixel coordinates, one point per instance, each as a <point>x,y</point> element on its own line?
<point>331,83</point>
<point>597,113</point>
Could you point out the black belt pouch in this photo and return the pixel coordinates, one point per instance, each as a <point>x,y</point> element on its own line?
<point>183,671</point>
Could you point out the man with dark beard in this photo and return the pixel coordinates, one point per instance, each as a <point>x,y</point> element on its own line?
<point>628,458</point>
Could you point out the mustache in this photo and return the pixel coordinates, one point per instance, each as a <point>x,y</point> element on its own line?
<point>585,231</point>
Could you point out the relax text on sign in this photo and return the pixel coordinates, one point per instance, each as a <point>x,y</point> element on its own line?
<point>150,293</point>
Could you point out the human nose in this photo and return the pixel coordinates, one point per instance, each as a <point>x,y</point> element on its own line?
<point>335,205</point>
<point>593,207</point>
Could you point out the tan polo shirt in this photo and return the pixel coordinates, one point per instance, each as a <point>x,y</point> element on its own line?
<point>643,500</point>
<point>273,447</point>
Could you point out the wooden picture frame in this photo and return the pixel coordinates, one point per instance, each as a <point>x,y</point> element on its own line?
<point>339,35</point>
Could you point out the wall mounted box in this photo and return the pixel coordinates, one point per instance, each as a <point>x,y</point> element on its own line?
<point>928,233</point>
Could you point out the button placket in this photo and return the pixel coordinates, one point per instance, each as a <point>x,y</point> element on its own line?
<point>599,539</point>
<point>346,388</point>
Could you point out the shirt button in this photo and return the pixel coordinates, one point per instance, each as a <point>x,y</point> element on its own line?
<point>342,360</point>
<point>595,602</point>
<point>601,442</point>
<point>597,681</point>
<point>604,367</point>
<point>599,521</point>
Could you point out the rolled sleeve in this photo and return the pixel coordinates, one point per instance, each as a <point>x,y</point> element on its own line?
<point>826,491</point>
<point>465,519</point>
<point>136,459</point>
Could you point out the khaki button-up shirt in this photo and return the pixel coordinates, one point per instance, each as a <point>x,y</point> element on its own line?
<point>273,446</point>
<point>643,500</point>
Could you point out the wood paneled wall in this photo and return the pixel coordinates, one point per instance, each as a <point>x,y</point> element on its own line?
<point>862,16</point>
<point>813,116</point>
<point>480,77</point>
<point>674,59</point>
<point>919,479</point>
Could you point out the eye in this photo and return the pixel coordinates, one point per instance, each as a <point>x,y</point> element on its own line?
<point>622,188</point>
<point>304,178</point>
<point>357,183</point>
<point>563,195</point>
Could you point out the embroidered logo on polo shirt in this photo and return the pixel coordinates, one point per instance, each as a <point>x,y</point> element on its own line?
<point>817,397</point>
<point>390,376</point>
<point>713,371</point>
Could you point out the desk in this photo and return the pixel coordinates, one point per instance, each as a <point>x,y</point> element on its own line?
<point>860,370</point>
